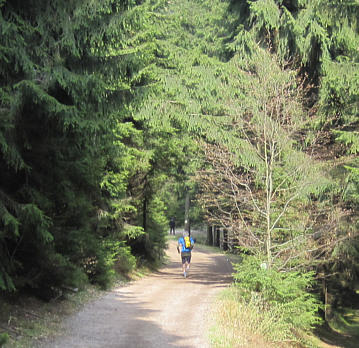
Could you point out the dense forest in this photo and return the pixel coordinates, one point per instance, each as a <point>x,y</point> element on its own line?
<point>113,111</point>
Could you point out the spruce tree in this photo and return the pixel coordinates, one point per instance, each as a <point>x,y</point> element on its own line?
<point>68,72</point>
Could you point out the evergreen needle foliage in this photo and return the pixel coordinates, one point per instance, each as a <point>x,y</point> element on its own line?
<point>111,112</point>
<point>286,291</point>
<point>68,71</point>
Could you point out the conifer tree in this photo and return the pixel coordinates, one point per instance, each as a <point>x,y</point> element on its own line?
<point>321,39</point>
<point>68,70</point>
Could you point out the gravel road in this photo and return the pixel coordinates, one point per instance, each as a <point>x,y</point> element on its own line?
<point>160,310</point>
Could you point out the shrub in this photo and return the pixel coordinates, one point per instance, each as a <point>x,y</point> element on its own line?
<point>287,291</point>
<point>117,257</point>
<point>244,323</point>
<point>125,261</point>
<point>4,337</point>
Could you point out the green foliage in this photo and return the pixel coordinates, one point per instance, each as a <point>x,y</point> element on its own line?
<point>4,337</point>
<point>116,257</point>
<point>317,36</point>
<point>287,291</point>
<point>345,257</point>
<point>102,105</point>
<point>257,174</point>
<point>250,322</point>
<point>351,192</point>
<point>320,39</point>
<point>350,139</point>
<point>59,271</point>
<point>68,74</point>
<point>124,260</point>
<point>6,282</point>
<point>189,50</point>
<point>157,229</point>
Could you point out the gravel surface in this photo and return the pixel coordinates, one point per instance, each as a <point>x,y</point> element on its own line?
<point>160,310</point>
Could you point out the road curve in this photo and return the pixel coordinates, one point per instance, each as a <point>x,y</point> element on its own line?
<point>160,310</point>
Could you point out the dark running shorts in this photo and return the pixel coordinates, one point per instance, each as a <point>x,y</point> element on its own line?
<point>186,258</point>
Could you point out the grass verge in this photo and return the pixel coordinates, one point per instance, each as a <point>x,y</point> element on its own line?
<point>25,320</point>
<point>341,331</point>
<point>346,322</point>
<point>249,325</point>
<point>241,324</point>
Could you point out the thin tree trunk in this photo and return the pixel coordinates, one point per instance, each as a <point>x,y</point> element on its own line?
<point>268,157</point>
<point>225,239</point>
<point>186,215</point>
<point>144,214</point>
<point>325,290</point>
<point>216,236</point>
<point>209,235</point>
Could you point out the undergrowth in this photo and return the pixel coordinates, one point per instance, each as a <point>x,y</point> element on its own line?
<point>247,324</point>
<point>26,320</point>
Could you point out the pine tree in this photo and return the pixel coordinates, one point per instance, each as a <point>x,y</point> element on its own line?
<point>68,71</point>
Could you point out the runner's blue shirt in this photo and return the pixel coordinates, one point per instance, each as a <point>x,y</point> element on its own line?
<point>181,241</point>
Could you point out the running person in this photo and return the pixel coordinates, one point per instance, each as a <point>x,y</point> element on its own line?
<point>185,251</point>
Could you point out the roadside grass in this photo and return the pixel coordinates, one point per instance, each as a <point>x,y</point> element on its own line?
<point>25,320</point>
<point>249,325</point>
<point>240,324</point>
<point>172,237</point>
<point>346,322</point>
<point>199,235</point>
<point>342,330</point>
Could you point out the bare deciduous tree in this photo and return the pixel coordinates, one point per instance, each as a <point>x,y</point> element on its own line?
<point>257,178</point>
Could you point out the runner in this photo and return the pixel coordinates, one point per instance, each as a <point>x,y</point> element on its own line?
<point>184,246</point>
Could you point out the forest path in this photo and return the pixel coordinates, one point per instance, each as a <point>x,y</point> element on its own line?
<point>160,310</point>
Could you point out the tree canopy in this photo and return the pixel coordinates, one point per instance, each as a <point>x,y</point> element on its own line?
<point>112,111</point>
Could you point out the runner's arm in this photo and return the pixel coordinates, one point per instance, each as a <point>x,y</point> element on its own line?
<point>179,246</point>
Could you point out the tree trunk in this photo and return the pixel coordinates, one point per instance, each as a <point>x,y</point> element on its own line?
<point>186,215</point>
<point>325,291</point>
<point>144,214</point>
<point>209,235</point>
<point>268,155</point>
<point>225,239</point>
<point>217,232</point>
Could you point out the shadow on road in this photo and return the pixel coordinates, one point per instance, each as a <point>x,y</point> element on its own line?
<point>216,270</point>
<point>149,313</point>
<point>115,321</point>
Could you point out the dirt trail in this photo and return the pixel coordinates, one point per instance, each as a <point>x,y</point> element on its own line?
<point>160,310</point>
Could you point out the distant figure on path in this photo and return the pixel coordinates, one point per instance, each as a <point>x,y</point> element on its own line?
<point>185,246</point>
<point>172,226</point>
